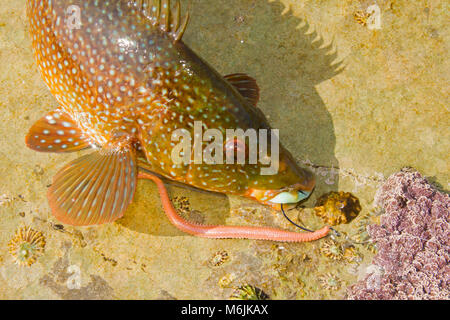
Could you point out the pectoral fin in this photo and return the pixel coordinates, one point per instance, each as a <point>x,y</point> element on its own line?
<point>246,86</point>
<point>94,189</point>
<point>56,132</point>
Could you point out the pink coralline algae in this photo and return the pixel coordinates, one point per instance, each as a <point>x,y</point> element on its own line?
<point>413,242</point>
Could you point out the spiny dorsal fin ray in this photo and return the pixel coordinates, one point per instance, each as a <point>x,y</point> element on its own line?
<point>94,189</point>
<point>176,17</point>
<point>160,15</point>
<point>56,132</point>
<point>165,15</point>
<point>246,86</point>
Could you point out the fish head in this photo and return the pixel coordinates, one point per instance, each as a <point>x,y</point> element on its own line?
<point>290,185</point>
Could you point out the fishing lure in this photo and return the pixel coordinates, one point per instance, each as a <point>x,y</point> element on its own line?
<point>125,82</point>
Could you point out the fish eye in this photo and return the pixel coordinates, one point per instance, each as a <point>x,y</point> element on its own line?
<point>236,147</point>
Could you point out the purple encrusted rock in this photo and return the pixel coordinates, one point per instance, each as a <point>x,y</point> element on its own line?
<point>413,242</point>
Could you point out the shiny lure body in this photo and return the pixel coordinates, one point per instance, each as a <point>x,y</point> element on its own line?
<point>125,81</point>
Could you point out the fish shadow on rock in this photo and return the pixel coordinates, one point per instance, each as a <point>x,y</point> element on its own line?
<point>145,214</point>
<point>269,43</point>
<point>288,60</point>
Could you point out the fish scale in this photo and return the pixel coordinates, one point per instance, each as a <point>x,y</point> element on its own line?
<point>125,81</point>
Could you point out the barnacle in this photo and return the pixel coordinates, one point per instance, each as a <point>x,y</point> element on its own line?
<point>332,250</point>
<point>361,17</point>
<point>26,246</point>
<point>4,199</point>
<point>362,236</point>
<point>337,207</point>
<point>351,254</point>
<point>182,204</point>
<point>184,209</point>
<point>38,170</point>
<point>329,281</point>
<point>248,292</point>
<point>226,280</point>
<point>219,258</point>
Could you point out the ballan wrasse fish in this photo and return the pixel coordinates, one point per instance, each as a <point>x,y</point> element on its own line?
<point>125,82</point>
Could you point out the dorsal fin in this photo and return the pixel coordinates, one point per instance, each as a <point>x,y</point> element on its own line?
<point>160,15</point>
<point>56,132</point>
<point>246,86</point>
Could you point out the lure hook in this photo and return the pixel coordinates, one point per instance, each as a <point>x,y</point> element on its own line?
<point>284,213</point>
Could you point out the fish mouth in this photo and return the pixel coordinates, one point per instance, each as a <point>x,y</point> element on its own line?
<point>288,197</point>
<point>275,199</point>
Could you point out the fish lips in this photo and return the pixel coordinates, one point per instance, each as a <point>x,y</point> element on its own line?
<point>288,197</point>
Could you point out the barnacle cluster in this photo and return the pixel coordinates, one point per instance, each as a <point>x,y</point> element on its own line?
<point>26,246</point>
<point>340,250</point>
<point>337,207</point>
<point>248,292</point>
<point>329,281</point>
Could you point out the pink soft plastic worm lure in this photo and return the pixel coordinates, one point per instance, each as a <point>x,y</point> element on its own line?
<point>230,232</point>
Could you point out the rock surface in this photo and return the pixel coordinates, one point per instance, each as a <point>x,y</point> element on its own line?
<point>352,126</point>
